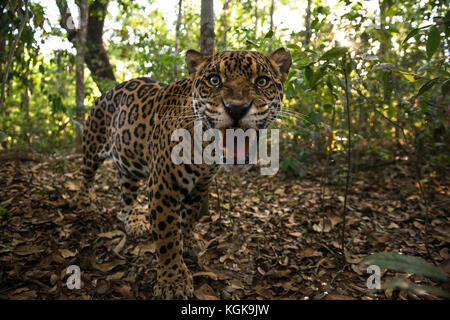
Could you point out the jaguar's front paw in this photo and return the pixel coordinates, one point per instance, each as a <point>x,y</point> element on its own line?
<point>174,284</point>
<point>136,225</point>
<point>191,247</point>
<point>82,200</point>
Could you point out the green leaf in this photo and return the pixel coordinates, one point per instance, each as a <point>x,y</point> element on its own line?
<point>310,51</point>
<point>328,108</point>
<point>433,41</point>
<point>427,86</point>
<point>333,53</point>
<point>309,73</point>
<point>293,46</point>
<point>3,212</point>
<point>416,288</point>
<point>411,34</point>
<point>268,34</point>
<point>410,76</point>
<point>402,263</point>
<point>319,74</point>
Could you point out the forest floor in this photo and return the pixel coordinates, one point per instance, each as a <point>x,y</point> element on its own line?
<point>265,238</point>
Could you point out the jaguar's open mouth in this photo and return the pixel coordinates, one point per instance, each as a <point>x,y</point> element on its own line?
<point>238,147</point>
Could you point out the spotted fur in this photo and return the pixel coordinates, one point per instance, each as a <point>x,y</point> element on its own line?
<point>133,122</point>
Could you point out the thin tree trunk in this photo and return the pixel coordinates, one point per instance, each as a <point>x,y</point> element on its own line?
<point>3,58</point>
<point>26,103</point>
<point>226,7</point>
<point>308,24</point>
<point>255,35</point>
<point>383,45</point>
<point>177,40</point>
<point>11,54</point>
<point>207,34</point>
<point>79,94</point>
<point>272,8</point>
<point>185,24</point>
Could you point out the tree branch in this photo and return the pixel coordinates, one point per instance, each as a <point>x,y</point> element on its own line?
<point>66,21</point>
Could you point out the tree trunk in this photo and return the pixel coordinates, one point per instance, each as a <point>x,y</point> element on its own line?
<point>308,24</point>
<point>26,97</point>
<point>207,27</point>
<point>384,43</point>
<point>226,7</point>
<point>185,24</point>
<point>272,7</point>
<point>79,92</point>
<point>255,35</point>
<point>177,40</point>
<point>96,56</point>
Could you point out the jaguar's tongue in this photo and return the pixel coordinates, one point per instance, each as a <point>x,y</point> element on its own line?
<point>237,150</point>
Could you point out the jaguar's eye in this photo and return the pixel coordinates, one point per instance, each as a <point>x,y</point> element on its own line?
<point>214,80</point>
<point>262,81</point>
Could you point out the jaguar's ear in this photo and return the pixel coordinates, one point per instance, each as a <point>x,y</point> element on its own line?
<point>283,60</point>
<point>193,60</point>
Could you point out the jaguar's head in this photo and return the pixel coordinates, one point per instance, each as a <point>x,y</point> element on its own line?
<point>238,89</point>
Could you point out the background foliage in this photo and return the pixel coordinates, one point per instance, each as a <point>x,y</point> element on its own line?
<point>396,60</point>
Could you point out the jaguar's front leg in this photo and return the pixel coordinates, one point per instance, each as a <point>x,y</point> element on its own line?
<point>174,281</point>
<point>191,211</point>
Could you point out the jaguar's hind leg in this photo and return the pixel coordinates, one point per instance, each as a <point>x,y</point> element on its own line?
<point>95,150</point>
<point>135,224</point>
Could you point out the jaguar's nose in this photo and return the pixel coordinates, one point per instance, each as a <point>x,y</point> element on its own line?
<point>237,110</point>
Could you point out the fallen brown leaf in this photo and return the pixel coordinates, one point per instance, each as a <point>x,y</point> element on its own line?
<point>108,266</point>
<point>66,253</point>
<point>205,292</point>
<point>333,296</point>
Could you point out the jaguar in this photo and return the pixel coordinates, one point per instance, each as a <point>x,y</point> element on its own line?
<point>133,124</point>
